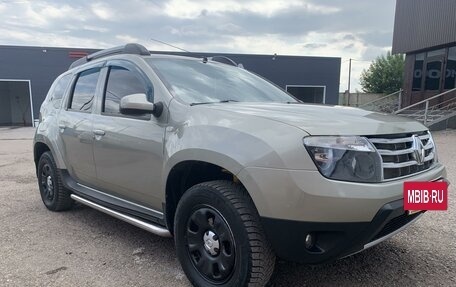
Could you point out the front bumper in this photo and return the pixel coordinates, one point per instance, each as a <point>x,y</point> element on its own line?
<point>333,240</point>
<point>305,195</point>
<point>346,217</point>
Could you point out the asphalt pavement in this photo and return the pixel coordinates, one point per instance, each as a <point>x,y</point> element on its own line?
<point>84,247</point>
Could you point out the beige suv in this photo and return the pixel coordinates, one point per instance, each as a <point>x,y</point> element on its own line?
<point>234,168</point>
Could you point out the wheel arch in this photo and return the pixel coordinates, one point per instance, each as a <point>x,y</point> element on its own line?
<point>42,143</point>
<point>187,173</point>
<point>38,149</point>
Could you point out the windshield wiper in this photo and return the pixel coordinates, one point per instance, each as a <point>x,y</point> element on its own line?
<point>205,103</point>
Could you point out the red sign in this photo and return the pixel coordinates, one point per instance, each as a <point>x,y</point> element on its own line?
<point>425,195</point>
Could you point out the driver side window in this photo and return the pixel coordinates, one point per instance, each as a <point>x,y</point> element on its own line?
<point>121,82</point>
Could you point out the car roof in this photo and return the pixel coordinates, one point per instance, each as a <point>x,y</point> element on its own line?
<point>139,50</point>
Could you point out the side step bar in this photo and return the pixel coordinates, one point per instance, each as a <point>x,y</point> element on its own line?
<point>155,229</point>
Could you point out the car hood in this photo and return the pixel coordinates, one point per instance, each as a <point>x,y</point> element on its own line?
<point>324,119</point>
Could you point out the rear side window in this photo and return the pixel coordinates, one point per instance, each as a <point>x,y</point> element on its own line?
<point>59,90</point>
<point>84,91</point>
<point>121,82</point>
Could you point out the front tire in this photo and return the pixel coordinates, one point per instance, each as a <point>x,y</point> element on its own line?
<point>54,195</point>
<point>219,237</point>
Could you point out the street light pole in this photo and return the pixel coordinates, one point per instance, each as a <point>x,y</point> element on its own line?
<point>349,77</point>
<point>349,74</point>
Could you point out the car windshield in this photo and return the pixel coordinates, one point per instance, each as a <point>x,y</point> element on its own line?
<point>195,82</point>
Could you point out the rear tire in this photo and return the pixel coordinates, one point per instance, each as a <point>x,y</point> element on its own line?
<point>219,238</point>
<point>53,193</point>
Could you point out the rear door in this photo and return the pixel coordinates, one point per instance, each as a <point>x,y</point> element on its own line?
<point>128,150</point>
<point>75,126</point>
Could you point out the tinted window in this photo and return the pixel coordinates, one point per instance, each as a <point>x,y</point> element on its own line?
<point>60,87</point>
<point>433,73</point>
<point>418,72</point>
<point>121,82</point>
<point>195,81</point>
<point>450,73</point>
<point>84,90</point>
<point>439,52</point>
<point>59,90</point>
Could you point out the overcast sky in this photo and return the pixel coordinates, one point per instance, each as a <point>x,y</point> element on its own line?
<point>358,29</point>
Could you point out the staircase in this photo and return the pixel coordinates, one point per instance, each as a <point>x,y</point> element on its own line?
<point>437,112</point>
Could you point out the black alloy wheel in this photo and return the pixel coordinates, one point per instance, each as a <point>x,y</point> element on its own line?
<point>47,184</point>
<point>53,193</point>
<point>210,244</point>
<point>219,237</point>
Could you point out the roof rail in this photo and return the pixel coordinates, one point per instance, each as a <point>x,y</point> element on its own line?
<point>223,60</point>
<point>131,48</point>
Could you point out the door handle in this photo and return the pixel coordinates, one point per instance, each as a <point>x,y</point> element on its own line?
<point>99,132</point>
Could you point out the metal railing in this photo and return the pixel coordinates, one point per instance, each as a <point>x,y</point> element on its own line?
<point>431,112</point>
<point>387,104</point>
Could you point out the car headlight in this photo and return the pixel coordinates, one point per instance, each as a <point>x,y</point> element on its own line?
<point>347,158</point>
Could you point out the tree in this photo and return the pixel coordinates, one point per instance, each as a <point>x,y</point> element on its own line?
<point>384,75</point>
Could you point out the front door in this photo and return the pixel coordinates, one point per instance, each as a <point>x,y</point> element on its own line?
<point>128,150</point>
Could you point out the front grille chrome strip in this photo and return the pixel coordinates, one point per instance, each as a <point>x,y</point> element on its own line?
<point>406,163</point>
<point>398,154</point>
<point>398,140</point>
<point>402,151</point>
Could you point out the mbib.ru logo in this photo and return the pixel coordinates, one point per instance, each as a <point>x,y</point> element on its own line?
<point>426,195</point>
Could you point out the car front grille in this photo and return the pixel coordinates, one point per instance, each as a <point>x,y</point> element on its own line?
<point>397,154</point>
<point>395,224</point>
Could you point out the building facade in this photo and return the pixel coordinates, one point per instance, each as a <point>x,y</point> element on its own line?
<point>27,73</point>
<point>425,30</point>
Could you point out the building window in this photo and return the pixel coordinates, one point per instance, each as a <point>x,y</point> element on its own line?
<point>308,94</point>
<point>418,72</point>
<point>439,52</point>
<point>438,74</point>
<point>433,73</point>
<point>450,71</point>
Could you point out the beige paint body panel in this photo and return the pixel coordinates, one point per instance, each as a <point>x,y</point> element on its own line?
<point>128,159</point>
<point>305,195</point>
<point>327,120</point>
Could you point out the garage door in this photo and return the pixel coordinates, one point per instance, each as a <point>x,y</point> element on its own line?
<point>15,103</point>
<point>308,94</point>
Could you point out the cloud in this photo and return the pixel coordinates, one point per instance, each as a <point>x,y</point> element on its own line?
<point>127,38</point>
<point>314,45</point>
<point>195,9</point>
<point>354,29</point>
<point>102,10</point>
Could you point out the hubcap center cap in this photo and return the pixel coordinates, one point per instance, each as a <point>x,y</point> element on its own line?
<point>211,243</point>
<point>49,181</point>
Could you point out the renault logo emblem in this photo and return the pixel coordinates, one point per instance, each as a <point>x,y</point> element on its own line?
<point>418,153</point>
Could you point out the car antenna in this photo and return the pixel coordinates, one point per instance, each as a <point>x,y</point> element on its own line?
<point>164,43</point>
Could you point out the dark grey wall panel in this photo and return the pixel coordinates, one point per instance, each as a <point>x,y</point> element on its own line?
<point>5,104</point>
<point>41,65</point>
<point>422,24</point>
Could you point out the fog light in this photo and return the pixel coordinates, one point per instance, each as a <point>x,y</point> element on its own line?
<point>310,241</point>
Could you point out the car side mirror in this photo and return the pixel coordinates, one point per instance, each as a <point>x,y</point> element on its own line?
<point>135,104</point>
